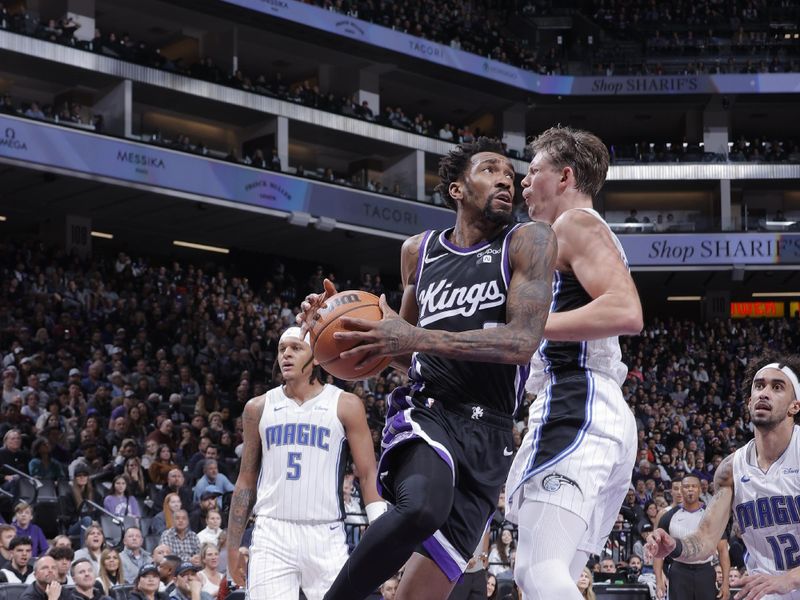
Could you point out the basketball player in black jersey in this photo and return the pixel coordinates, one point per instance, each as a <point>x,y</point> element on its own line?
<point>479,295</point>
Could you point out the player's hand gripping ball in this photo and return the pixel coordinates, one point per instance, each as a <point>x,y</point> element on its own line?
<point>352,303</point>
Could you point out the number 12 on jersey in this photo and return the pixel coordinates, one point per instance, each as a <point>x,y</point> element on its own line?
<point>786,551</point>
<point>293,470</point>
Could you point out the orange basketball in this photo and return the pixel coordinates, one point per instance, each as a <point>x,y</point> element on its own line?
<point>355,304</point>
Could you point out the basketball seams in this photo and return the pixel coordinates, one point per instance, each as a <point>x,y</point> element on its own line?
<point>332,321</point>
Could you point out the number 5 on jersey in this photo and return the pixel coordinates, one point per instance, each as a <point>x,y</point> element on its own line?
<point>293,470</point>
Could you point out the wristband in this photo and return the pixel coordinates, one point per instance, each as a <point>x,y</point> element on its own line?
<point>375,509</point>
<point>678,549</point>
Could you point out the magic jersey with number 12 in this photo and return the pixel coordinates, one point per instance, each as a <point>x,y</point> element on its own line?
<point>303,457</point>
<point>766,506</point>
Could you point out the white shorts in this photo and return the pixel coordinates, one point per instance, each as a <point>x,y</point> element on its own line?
<point>578,454</point>
<point>286,556</point>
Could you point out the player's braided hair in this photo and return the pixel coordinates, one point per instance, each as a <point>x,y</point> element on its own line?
<point>791,360</point>
<point>454,164</point>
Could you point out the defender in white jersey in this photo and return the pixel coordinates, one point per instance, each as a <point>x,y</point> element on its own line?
<point>760,485</point>
<point>296,440</point>
<point>573,469</point>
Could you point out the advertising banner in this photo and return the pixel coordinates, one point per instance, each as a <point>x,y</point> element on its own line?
<point>712,249</point>
<point>123,160</point>
<point>561,85</point>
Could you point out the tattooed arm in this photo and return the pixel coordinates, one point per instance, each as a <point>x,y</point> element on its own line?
<point>532,253</point>
<point>244,494</point>
<point>702,543</point>
<point>587,249</point>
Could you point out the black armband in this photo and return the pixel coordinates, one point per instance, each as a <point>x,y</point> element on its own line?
<point>678,549</point>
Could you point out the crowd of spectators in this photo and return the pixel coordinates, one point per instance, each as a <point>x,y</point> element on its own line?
<point>124,381</point>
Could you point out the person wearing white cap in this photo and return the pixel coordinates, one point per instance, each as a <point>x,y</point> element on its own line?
<point>295,439</point>
<point>759,485</point>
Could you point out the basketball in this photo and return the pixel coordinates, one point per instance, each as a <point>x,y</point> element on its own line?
<point>351,303</point>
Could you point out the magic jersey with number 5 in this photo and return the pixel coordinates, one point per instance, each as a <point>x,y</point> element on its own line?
<point>303,457</point>
<point>766,506</point>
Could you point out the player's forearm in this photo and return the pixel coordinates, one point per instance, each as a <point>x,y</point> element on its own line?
<point>605,316</point>
<point>503,344</point>
<point>696,547</point>
<point>242,503</point>
<point>369,487</point>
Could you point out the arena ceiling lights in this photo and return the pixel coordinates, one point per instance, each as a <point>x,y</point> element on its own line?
<point>204,247</point>
<point>776,294</point>
<point>684,298</point>
<point>103,235</point>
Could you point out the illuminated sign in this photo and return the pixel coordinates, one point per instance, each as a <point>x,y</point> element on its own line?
<point>757,310</point>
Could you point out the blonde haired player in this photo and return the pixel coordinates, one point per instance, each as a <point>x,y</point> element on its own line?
<point>760,485</point>
<point>572,472</point>
<point>295,443</point>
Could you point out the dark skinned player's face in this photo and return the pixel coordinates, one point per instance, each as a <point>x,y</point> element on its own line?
<point>487,188</point>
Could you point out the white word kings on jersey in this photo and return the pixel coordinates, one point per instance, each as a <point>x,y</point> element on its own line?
<point>303,457</point>
<point>766,507</point>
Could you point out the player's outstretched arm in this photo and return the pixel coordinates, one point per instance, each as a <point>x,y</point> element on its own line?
<point>532,253</point>
<point>244,493</point>
<point>352,415</point>
<point>702,543</point>
<point>586,247</point>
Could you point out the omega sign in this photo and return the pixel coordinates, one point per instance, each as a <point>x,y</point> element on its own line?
<point>10,140</point>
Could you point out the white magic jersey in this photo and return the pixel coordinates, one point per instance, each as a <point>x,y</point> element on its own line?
<point>767,508</point>
<point>302,458</point>
<point>599,356</point>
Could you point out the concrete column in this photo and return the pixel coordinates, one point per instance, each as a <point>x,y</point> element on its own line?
<point>282,141</point>
<point>726,219</point>
<point>513,124</point>
<point>116,106</point>
<point>716,125</point>
<point>420,175</point>
<point>363,84</point>
<point>81,11</point>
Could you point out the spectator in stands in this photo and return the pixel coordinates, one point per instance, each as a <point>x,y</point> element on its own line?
<point>63,557</point>
<point>161,465</point>
<point>93,546</point>
<point>208,501</point>
<point>209,576</point>
<point>213,529</point>
<point>44,586</point>
<point>163,435</point>
<point>176,484</point>
<point>133,556</point>
<point>81,490</point>
<point>181,540</point>
<point>145,587</point>
<point>166,572</point>
<point>23,515</point>
<point>187,584</point>
<point>83,576</point>
<point>110,572</point>
<point>585,584</point>
<point>134,477</point>
<point>164,519</point>
<point>211,453</point>
<point>19,570</point>
<point>501,550</point>
<point>389,588</point>
<point>13,455</point>
<point>42,465</point>
<point>119,502</point>
<point>211,477</point>
<point>7,533</point>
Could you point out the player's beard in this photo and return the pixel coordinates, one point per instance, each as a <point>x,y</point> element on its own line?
<point>500,217</point>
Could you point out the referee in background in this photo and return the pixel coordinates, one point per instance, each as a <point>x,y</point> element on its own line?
<point>690,580</point>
